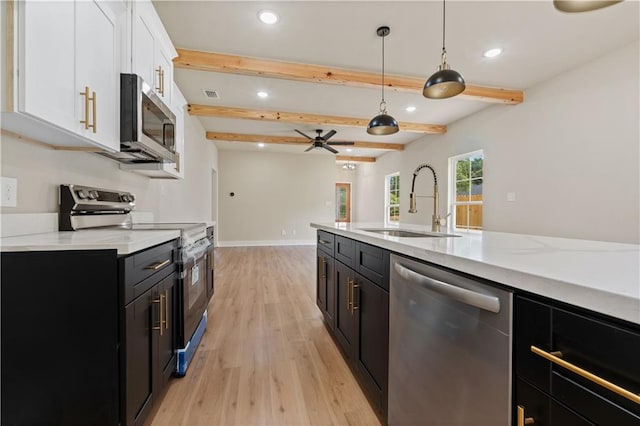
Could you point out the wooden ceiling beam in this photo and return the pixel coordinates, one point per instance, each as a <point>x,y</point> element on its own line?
<point>355,159</point>
<point>243,65</point>
<point>242,137</point>
<point>315,119</point>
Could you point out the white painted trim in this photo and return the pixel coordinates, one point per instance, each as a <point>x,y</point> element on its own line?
<point>264,243</point>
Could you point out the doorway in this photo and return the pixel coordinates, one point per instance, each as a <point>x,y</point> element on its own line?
<point>343,202</point>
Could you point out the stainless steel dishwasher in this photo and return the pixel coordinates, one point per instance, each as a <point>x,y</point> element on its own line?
<point>449,348</point>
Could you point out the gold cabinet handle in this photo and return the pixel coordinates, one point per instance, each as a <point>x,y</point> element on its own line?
<point>166,309</point>
<point>323,274</point>
<point>86,107</point>
<point>349,284</point>
<point>555,358</point>
<point>159,265</point>
<point>162,81</point>
<point>522,420</point>
<point>95,114</point>
<point>354,286</point>
<point>159,301</point>
<point>159,85</point>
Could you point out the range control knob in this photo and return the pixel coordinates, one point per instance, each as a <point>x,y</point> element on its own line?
<point>123,198</point>
<point>131,198</point>
<point>81,194</point>
<point>94,195</point>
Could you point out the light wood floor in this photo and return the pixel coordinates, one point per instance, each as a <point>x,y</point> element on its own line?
<point>266,357</point>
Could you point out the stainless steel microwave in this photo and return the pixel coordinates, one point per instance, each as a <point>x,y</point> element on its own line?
<point>147,125</point>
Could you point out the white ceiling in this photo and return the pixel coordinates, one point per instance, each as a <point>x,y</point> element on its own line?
<point>538,41</point>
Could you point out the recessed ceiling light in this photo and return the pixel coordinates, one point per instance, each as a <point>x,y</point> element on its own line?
<point>349,149</point>
<point>262,94</point>
<point>410,108</point>
<point>260,145</point>
<point>492,53</point>
<point>268,17</point>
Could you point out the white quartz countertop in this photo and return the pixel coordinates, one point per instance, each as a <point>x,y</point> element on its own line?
<point>124,241</point>
<point>596,275</point>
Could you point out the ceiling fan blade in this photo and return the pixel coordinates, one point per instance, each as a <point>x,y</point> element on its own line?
<point>310,148</point>
<point>306,136</point>
<point>329,134</point>
<point>340,143</point>
<point>328,148</point>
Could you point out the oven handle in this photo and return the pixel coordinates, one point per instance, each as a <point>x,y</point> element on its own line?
<point>468,297</point>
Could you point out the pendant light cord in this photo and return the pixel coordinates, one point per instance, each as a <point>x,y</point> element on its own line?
<point>444,10</point>
<point>383,68</point>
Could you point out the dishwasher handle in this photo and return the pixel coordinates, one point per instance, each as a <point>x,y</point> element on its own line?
<point>468,297</point>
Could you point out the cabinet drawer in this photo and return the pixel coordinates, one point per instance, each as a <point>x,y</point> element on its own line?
<point>137,268</point>
<point>373,263</point>
<point>325,242</point>
<point>345,250</point>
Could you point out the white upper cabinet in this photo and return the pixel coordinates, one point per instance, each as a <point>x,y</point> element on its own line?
<point>152,49</point>
<point>63,80</point>
<point>96,70</point>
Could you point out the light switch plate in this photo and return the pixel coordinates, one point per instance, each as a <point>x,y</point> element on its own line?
<point>9,192</point>
<point>511,196</point>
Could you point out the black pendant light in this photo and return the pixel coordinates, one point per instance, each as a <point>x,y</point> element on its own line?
<point>577,6</point>
<point>444,83</point>
<point>383,124</point>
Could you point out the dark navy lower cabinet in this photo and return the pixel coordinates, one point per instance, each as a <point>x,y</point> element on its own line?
<point>554,345</point>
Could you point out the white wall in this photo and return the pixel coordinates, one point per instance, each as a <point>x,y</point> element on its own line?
<point>273,192</point>
<point>40,170</point>
<point>570,152</point>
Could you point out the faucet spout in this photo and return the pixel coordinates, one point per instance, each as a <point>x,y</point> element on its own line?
<point>435,219</point>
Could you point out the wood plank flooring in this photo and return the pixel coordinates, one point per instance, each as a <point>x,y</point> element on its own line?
<point>266,357</point>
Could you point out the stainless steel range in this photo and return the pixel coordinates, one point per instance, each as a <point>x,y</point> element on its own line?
<point>83,207</point>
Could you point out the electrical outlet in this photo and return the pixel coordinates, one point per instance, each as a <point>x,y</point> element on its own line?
<point>9,192</point>
<point>293,232</point>
<point>511,196</point>
<point>284,232</point>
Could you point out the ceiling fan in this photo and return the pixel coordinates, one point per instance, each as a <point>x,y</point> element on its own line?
<point>321,141</point>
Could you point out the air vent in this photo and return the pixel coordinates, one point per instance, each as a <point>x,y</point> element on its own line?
<point>211,94</point>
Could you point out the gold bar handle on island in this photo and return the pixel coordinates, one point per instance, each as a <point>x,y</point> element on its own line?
<point>159,302</point>
<point>353,297</point>
<point>158,265</point>
<point>555,358</point>
<point>166,309</point>
<point>522,420</point>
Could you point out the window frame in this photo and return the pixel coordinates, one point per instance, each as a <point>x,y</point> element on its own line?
<point>387,199</point>
<point>452,202</point>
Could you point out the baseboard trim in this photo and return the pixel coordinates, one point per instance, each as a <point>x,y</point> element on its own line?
<point>266,243</point>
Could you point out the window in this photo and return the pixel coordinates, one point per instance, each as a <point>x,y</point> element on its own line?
<point>392,198</point>
<point>465,189</point>
<point>343,202</point>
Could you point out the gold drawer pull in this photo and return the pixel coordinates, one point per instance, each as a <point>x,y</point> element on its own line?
<point>166,309</point>
<point>159,301</point>
<point>159,86</point>
<point>158,265</point>
<point>323,242</point>
<point>95,113</point>
<point>86,107</point>
<point>353,298</point>
<point>586,374</point>
<point>522,420</point>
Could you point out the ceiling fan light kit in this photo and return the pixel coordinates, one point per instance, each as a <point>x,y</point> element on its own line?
<point>445,82</point>
<point>577,6</point>
<point>383,123</point>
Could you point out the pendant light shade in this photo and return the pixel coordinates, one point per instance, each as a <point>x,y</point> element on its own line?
<point>577,6</point>
<point>445,82</point>
<point>383,123</point>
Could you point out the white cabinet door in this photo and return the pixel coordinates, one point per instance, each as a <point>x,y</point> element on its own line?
<point>165,66</point>
<point>143,48</point>
<point>46,61</point>
<point>96,68</point>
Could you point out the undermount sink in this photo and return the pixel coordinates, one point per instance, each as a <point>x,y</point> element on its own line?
<point>395,232</point>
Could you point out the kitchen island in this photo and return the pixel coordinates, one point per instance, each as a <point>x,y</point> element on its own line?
<point>540,329</point>
<point>600,276</point>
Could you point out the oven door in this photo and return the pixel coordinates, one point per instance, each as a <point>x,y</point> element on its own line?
<point>194,297</point>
